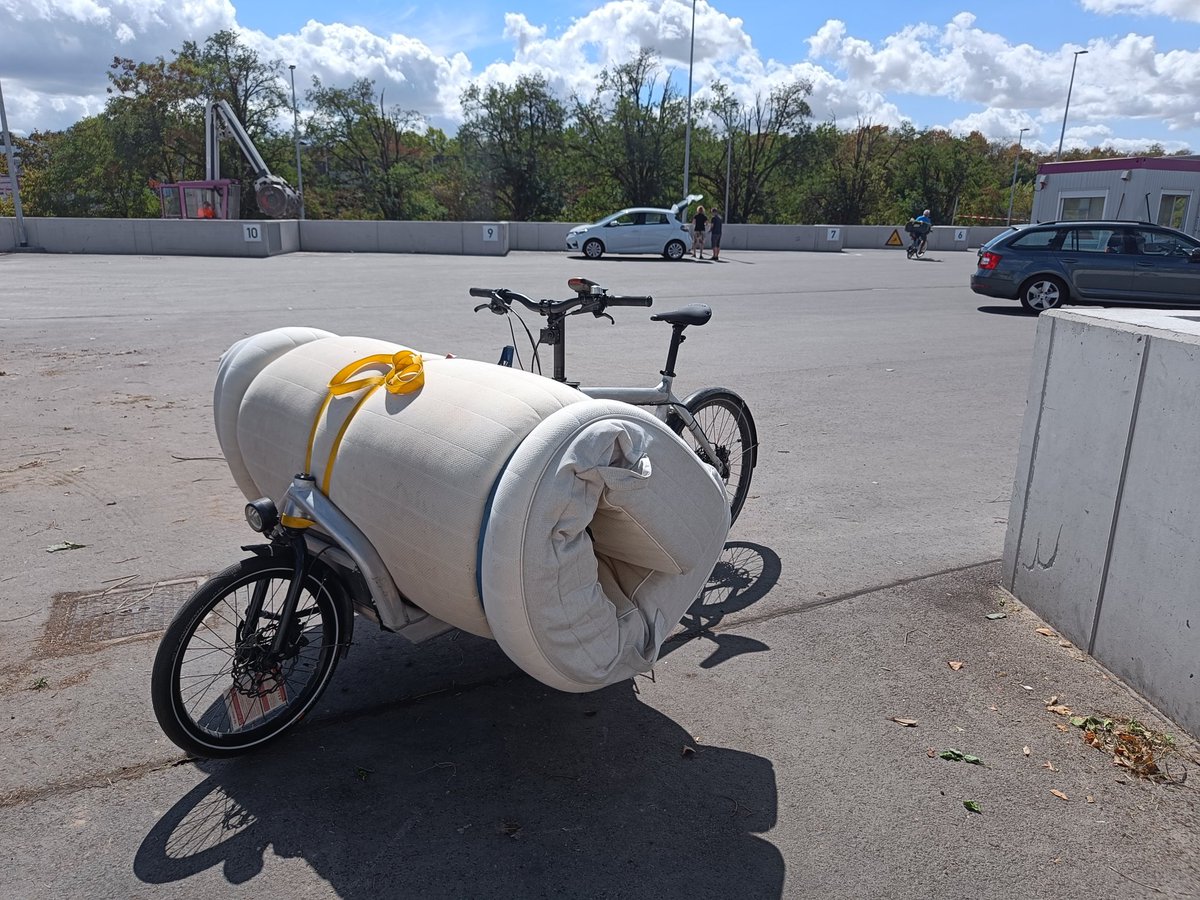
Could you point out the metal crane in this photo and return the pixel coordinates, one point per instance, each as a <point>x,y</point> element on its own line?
<point>273,194</point>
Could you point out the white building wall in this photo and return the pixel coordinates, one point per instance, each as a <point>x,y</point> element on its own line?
<point>1124,197</point>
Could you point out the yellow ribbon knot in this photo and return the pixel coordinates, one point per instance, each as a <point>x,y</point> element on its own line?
<point>405,374</point>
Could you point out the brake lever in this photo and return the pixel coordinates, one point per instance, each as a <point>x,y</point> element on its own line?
<point>603,315</point>
<point>482,306</point>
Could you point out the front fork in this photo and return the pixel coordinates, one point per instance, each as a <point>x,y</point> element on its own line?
<point>288,625</point>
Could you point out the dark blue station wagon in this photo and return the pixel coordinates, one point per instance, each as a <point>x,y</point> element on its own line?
<point>1111,262</point>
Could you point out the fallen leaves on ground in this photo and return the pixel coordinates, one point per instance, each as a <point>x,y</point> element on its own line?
<point>1060,795</point>
<point>973,806</point>
<point>955,664</point>
<point>958,756</point>
<point>907,723</point>
<point>1048,632</point>
<point>1146,753</point>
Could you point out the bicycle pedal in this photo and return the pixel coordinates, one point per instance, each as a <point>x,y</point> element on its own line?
<point>506,356</point>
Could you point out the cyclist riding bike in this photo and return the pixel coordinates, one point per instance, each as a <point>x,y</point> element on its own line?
<point>918,229</point>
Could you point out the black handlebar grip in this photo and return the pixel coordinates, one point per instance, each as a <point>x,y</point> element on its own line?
<point>629,301</point>
<point>481,292</point>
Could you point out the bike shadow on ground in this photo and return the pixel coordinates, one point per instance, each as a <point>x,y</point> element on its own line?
<point>743,575</point>
<point>497,787</point>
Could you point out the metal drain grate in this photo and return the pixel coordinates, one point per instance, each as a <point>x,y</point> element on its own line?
<point>84,622</point>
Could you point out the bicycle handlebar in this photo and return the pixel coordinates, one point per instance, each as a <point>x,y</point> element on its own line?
<point>501,299</point>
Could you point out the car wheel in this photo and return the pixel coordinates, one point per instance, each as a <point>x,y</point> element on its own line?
<point>593,249</point>
<point>1043,292</point>
<point>674,250</point>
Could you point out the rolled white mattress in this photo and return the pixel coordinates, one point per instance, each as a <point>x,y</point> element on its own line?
<point>575,532</point>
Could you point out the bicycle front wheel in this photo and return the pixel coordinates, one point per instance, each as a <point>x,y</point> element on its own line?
<point>217,688</point>
<point>723,418</point>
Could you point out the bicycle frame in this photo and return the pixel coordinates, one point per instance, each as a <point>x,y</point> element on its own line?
<point>660,399</point>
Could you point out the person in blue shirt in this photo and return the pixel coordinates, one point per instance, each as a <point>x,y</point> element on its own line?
<point>919,229</point>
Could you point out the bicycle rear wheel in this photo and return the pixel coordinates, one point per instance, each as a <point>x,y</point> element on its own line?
<point>724,419</point>
<point>216,689</point>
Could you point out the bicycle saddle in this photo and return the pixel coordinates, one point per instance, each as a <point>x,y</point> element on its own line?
<point>692,314</point>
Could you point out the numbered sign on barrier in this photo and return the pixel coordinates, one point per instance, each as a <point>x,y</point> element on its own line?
<point>251,232</point>
<point>960,234</point>
<point>491,232</point>
<point>832,234</point>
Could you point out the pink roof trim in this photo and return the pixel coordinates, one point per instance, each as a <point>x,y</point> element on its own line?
<point>1160,163</point>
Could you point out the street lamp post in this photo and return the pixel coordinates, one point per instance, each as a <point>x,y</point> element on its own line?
<point>296,141</point>
<point>22,240</point>
<point>1063,133</point>
<point>687,139</point>
<point>728,173</point>
<point>1012,191</point>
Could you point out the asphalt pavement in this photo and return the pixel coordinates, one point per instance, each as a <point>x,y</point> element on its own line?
<point>762,757</point>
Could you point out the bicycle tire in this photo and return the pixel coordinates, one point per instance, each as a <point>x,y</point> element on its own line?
<point>193,681</point>
<point>725,420</point>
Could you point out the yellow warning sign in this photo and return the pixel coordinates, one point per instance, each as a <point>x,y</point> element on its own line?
<point>894,240</point>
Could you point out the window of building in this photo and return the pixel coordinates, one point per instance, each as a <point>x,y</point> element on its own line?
<point>1173,209</point>
<point>1075,209</point>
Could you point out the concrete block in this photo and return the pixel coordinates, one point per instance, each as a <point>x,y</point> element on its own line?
<point>828,238</point>
<point>1104,526</point>
<point>339,237</point>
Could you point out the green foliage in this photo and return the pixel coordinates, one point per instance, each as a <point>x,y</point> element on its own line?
<point>374,163</point>
<point>631,132</point>
<point>512,140</point>
<point>521,153</point>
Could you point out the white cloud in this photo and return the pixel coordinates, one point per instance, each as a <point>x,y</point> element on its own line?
<point>56,54</point>
<point>1188,10</point>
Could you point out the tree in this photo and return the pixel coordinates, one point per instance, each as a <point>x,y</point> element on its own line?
<point>223,68</point>
<point>933,169</point>
<point>855,183</point>
<point>154,133</point>
<point>631,132</point>
<point>375,160</point>
<point>77,173</point>
<point>514,137</point>
<point>766,139</point>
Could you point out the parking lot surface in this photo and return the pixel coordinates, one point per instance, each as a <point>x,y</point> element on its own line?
<point>761,759</point>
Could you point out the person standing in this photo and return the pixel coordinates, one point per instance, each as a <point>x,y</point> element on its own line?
<point>715,224</point>
<point>699,223</point>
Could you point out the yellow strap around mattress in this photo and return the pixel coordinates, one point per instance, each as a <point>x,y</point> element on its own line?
<point>406,373</point>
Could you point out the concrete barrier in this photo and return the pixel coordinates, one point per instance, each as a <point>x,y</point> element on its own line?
<point>1103,533</point>
<point>156,237</point>
<point>268,238</point>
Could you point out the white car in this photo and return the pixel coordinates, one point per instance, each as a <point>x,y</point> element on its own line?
<point>642,229</point>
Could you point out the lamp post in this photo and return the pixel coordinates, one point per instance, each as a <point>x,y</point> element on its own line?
<point>1012,191</point>
<point>1063,133</point>
<point>22,240</point>
<point>728,172</point>
<point>687,139</point>
<point>296,141</point>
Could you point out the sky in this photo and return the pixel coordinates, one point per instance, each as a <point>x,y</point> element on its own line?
<point>995,67</point>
